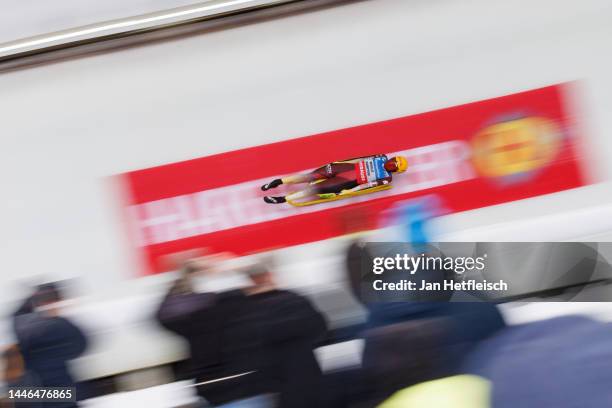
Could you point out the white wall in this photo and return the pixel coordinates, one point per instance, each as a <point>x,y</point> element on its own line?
<point>67,127</point>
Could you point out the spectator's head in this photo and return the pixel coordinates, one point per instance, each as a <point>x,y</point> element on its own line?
<point>261,276</point>
<point>48,296</point>
<point>356,251</point>
<point>189,268</point>
<point>48,293</point>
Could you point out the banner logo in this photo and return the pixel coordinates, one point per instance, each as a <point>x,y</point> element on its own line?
<point>516,147</point>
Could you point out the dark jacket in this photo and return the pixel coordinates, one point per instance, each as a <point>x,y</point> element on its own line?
<point>220,345</point>
<point>47,343</point>
<point>289,328</point>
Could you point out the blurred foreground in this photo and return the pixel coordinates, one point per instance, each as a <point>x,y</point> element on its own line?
<point>251,343</point>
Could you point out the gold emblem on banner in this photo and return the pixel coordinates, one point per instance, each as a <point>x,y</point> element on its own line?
<point>515,146</point>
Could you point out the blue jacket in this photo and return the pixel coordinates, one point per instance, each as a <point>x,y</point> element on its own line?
<point>564,362</point>
<point>47,344</point>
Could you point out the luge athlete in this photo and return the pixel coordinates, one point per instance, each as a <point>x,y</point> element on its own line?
<point>339,178</point>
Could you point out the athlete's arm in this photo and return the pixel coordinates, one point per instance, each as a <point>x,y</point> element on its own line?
<point>358,159</point>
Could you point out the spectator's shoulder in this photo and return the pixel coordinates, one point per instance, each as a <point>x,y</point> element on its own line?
<point>232,294</point>
<point>287,293</point>
<point>293,298</point>
<point>63,326</point>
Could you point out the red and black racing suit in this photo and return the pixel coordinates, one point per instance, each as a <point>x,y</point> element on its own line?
<point>338,176</point>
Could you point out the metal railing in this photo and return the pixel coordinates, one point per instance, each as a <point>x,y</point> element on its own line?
<point>34,50</point>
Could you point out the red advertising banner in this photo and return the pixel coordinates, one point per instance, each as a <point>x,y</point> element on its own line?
<point>470,156</point>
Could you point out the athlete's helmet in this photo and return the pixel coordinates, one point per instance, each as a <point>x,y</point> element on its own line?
<point>401,164</point>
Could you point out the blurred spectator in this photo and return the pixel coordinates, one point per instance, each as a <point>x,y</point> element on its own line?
<point>561,362</point>
<point>220,344</point>
<point>247,343</point>
<point>47,341</point>
<point>472,320</point>
<point>408,342</point>
<point>289,328</point>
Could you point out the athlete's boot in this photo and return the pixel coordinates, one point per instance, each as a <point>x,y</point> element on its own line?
<point>272,184</point>
<point>274,200</point>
